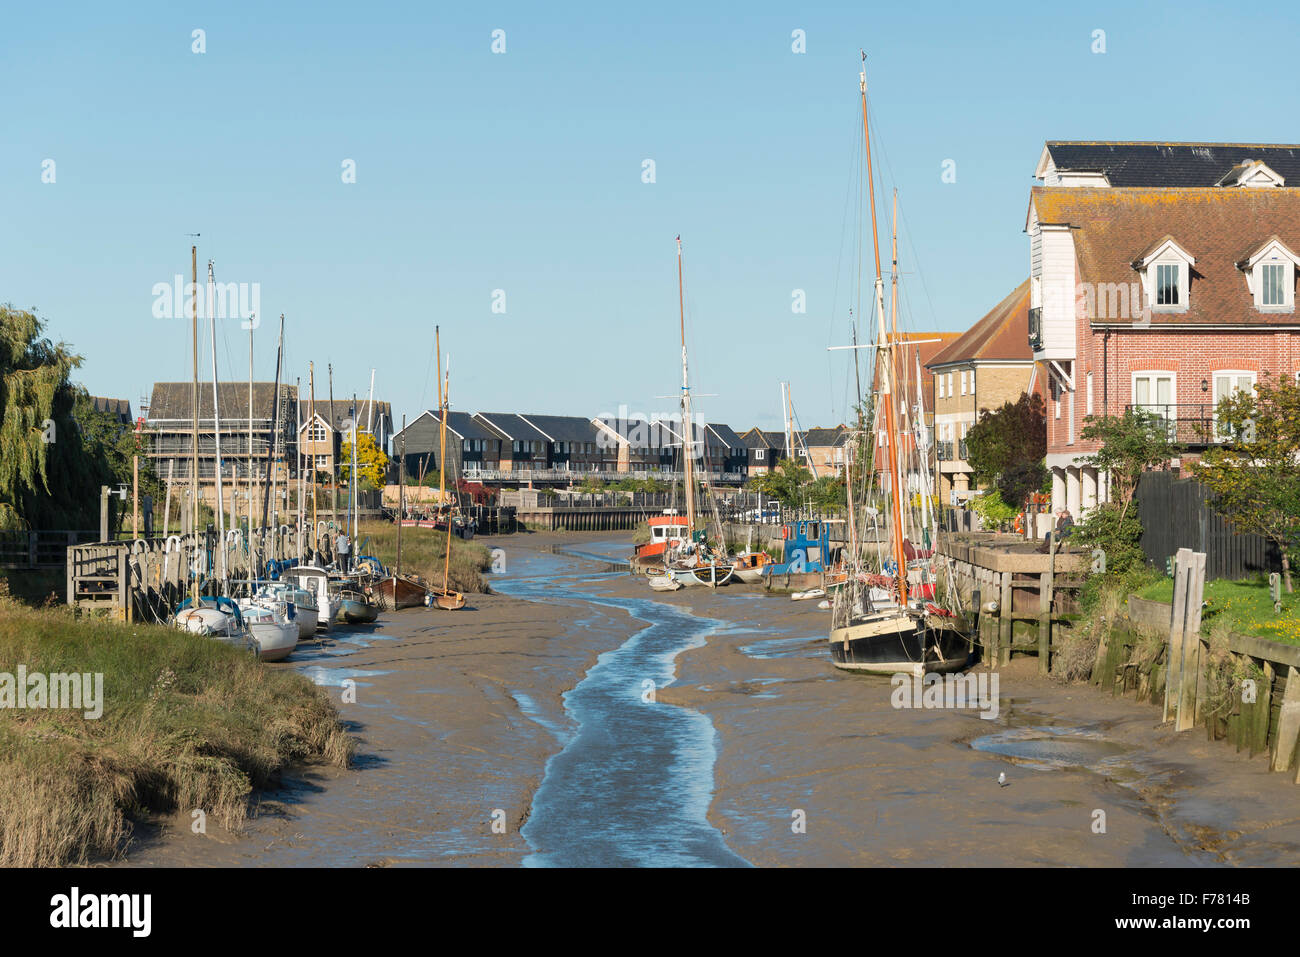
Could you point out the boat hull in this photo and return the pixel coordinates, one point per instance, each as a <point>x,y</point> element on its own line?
<point>448,601</point>
<point>275,640</point>
<point>398,593</point>
<point>356,612</point>
<point>894,644</point>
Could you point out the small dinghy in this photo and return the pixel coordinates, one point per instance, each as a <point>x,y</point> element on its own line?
<point>355,607</point>
<point>663,582</point>
<point>809,594</point>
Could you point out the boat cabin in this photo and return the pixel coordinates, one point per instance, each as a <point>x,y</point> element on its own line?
<point>665,531</point>
<point>805,546</point>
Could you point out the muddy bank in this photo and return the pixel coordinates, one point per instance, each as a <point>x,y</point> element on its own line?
<point>456,714</point>
<point>799,741</point>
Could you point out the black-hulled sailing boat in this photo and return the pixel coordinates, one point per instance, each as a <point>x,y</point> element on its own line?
<point>878,624</point>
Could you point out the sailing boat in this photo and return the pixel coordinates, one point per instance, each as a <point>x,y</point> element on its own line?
<point>694,562</point>
<point>877,624</point>
<point>446,597</point>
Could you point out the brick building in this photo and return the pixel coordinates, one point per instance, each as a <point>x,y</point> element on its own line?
<point>1167,295</point>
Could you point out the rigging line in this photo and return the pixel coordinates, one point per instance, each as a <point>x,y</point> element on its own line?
<point>854,160</point>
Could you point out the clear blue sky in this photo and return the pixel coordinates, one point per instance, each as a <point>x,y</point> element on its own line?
<point>522,172</point>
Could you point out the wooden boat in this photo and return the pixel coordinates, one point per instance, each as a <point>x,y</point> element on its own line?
<point>750,567</point>
<point>394,592</point>
<point>712,573</point>
<point>878,623</point>
<point>447,600</point>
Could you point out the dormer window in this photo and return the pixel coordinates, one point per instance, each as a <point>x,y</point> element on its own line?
<point>1251,174</point>
<point>1165,272</point>
<point>1270,275</point>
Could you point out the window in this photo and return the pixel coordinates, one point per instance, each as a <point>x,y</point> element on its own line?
<point>963,381</point>
<point>758,454</point>
<point>1155,392</point>
<point>1087,396</point>
<point>1167,284</point>
<point>1273,278</point>
<point>1225,385</point>
<point>972,381</point>
<point>317,432</point>
<point>941,387</point>
<point>322,461</point>
<point>950,392</point>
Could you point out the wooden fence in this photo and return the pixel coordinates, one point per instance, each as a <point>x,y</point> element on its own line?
<point>1175,514</point>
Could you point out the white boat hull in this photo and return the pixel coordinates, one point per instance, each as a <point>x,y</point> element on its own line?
<point>275,640</point>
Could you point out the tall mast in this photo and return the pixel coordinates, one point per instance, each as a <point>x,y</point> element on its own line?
<point>352,492</point>
<point>887,376</point>
<point>334,462</point>
<point>311,429</point>
<point>688,444</point>
<point>273,446</point>
<point>298,444</point>
<point>194,400</point>
<point>445,394</point>
<point>216,431</point>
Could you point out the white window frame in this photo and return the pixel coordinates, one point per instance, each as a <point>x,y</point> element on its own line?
<point>940,379</point>
<point>758,454</point>
<point>963,381</point>
<point>1222,435</point>
<point>1087,396</point>
<point>1272,253</point>
<point>972,380</point>
<point>1153,375</point>
<point>1169,253</point>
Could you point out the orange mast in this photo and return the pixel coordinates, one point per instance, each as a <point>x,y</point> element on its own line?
<point>887,377</point>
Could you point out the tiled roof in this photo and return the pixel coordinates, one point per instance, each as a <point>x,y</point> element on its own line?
<point>172,400</point>
<point>337,413</point>
<point>512,426</point>
<point>823,438</point>
<point>926,345</point>
<point>1003,333</point>
<point>1113,227</point>
<point>564,428</point>
<point>1172,164</point>
<point>120,409</point>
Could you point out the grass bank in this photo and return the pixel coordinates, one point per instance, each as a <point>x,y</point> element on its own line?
<point>1244,606</point>
<point>187,724</point>
<point>423,552</point>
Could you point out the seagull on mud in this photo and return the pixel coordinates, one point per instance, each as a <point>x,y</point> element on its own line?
<point>1002,779</point>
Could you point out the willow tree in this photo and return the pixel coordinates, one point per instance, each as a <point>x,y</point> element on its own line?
<point>46,478</point>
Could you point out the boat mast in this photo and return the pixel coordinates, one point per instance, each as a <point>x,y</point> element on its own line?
<point>216,430</point>
<point>194,405</point>
<point>887,377</point>
<point>311,429</point>
<point>444,389</point>
<point>273,446</point>
<point>354,516</point>
<point>688,444</point>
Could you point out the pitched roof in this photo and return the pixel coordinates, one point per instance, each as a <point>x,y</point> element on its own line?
<point>925,345</point>
<point>462,424</point>
<point>658,433</point>
<point>1171,164</point>
<point>341,409</point>
<point>1113,227</point>
<point>1003,333</point>
<point>120,409</point>
<point>728,435</point>
<point>563,428</point>
<point>756,438</point>
<point>171,401</point>
<point>511,426</point>
<point>823,438</point>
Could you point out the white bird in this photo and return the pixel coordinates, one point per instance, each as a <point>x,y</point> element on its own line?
<point>1002,779</point>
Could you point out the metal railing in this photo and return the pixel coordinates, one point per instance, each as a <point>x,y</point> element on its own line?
<point>1188,423</point>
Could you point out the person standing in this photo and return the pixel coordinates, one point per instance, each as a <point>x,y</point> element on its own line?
<point>344,546</point>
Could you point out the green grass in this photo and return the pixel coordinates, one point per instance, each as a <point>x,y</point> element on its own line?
<point>187,724</point>
<point>1244,605</point>
<point>423,552</point>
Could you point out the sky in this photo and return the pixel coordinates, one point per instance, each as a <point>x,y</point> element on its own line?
<point>517,181</point>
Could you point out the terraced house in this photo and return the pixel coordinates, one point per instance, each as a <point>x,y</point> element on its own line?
<point>983,368</point>
<point>1162,277</point>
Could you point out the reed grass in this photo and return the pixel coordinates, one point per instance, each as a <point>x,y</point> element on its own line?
<point>423,552</point>
<point>187,724</point>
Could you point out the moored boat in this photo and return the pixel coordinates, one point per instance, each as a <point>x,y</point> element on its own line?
<point>276,636</point>
<point>397,592</point>
<point>355,606</point>
<point>750,567</point>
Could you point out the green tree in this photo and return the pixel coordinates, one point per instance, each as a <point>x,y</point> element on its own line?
<point>47,480</point>
<point>1131,444</point>
<point>111,447</point>
<point>1253,476</point>
<point>785,483</point>
<point>1006,447</point>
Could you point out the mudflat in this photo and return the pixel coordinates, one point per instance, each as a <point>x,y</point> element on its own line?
<point>458,714</point>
